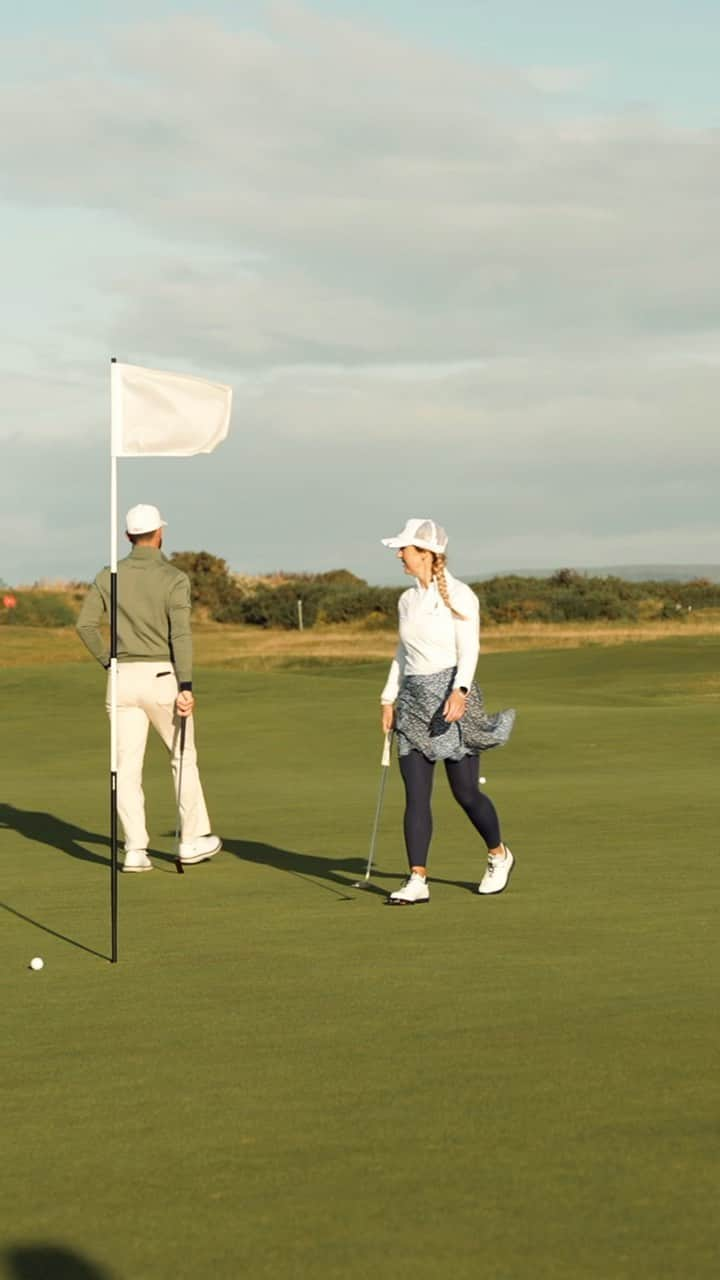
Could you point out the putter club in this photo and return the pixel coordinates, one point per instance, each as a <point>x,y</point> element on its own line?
<point>178,864</point>
<point>384,770</point>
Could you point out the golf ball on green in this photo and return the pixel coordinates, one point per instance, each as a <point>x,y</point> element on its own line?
<point>37,962</point>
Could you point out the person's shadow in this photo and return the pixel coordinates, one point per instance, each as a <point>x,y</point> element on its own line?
<point>46,829</point>
<point>47,1262</point>
<point>56,833</point>
<point>339,874</point>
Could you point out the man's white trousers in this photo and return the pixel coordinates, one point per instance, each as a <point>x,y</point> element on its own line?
<point>146,695</point>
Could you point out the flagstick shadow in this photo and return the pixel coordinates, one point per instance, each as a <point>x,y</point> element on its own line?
<point>55,833</point>
<point>53,932</point>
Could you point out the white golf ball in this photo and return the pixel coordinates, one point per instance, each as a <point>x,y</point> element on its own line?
<point>37,962</point>
<point>482,780</point>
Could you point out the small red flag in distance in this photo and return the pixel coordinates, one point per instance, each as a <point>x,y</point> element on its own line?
<point>9,602</point>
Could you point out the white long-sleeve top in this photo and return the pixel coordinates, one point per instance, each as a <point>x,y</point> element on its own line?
<point>431,639</point>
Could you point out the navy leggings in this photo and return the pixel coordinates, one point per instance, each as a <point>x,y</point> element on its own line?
<point>417,774</point>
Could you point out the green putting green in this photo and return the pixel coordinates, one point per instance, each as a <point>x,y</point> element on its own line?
<point>285,1078</point>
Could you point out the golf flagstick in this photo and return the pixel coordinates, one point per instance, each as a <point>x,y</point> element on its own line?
<point>178,864</point>
<point>153,414</point>
<point>384,770</point>
<point>113,682</point>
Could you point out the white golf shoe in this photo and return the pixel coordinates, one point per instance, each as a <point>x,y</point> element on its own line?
<point>199,850</point>
<point>136,860</point>
<point>414,890</point>
<point>498,873</point>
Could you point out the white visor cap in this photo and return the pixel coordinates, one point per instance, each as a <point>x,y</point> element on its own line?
<point>420,533</point>
<point>144,519</point>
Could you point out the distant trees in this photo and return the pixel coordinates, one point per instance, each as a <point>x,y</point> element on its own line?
<point>211,583</point>
<point>339,596</point>
<point>569,596</point>
<point>32,608</point>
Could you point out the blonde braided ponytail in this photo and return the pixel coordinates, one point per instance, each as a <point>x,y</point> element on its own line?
<point>438,573</point>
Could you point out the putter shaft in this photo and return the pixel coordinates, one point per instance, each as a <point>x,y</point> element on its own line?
<point>384,769</point>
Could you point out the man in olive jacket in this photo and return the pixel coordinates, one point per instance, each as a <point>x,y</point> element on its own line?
<point>154,683</point>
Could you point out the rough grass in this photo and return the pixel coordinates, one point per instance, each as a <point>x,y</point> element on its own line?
<point>254,648</point>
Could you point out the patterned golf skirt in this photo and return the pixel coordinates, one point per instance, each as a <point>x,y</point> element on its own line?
<point>420,725</point>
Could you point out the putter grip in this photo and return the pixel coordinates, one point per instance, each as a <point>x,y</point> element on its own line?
<point>386,751</point>
<point>183,731</point>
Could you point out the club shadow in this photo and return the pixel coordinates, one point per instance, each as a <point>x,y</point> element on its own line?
<point>339,874</point>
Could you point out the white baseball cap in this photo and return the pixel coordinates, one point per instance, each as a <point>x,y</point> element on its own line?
<point>143,519</point>
<point>420,532</point>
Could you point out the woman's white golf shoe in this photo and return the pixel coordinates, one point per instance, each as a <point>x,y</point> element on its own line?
<point>498,873</point>
<point>414,890</point>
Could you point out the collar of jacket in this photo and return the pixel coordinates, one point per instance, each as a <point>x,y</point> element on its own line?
<point>424,591</point>
<point>146,553</point>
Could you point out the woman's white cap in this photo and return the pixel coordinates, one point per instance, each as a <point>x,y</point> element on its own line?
<point>420,533</point>
<point>143,519</point>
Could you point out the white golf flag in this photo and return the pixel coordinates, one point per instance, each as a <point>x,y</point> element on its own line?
<point>167,415</point>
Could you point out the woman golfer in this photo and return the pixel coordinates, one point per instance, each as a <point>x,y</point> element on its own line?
<point>436,710</point>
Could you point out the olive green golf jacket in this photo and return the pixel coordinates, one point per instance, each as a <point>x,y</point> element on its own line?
<point>153,613</point>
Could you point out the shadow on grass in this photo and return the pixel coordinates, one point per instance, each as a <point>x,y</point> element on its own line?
<point>56,833</point>
<point>47,1262</point>
<point>45,828</point>
<point>53,932</point>
<point>339,873</point>
<point>333,875</point>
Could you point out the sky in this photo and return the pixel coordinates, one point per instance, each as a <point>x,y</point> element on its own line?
<point>457,261</point>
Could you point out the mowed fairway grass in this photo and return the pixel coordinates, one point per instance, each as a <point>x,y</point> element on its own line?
<point>286,1078</point>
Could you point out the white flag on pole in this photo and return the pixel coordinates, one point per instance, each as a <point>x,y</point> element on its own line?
<point>168,415</point>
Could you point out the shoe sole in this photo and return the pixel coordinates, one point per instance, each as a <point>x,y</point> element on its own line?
<point>200,857</point>
<point>400,902</point>
<point>494,892</point>
<point>128,870</point>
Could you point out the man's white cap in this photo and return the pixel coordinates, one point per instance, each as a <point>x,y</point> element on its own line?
<point>143,519</point>
<point>420,533</point>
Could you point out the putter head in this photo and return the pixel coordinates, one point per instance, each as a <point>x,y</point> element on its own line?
<point>361,884</point>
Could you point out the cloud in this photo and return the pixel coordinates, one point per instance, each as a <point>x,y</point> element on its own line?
<point>399,256</point>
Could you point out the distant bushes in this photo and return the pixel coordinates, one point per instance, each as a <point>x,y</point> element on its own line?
<point>566,596</point>
<point>211,583</point>
<point>269,606</point>
<point>375,605</point>
<point>38,609</point>
<point>339,596</point>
